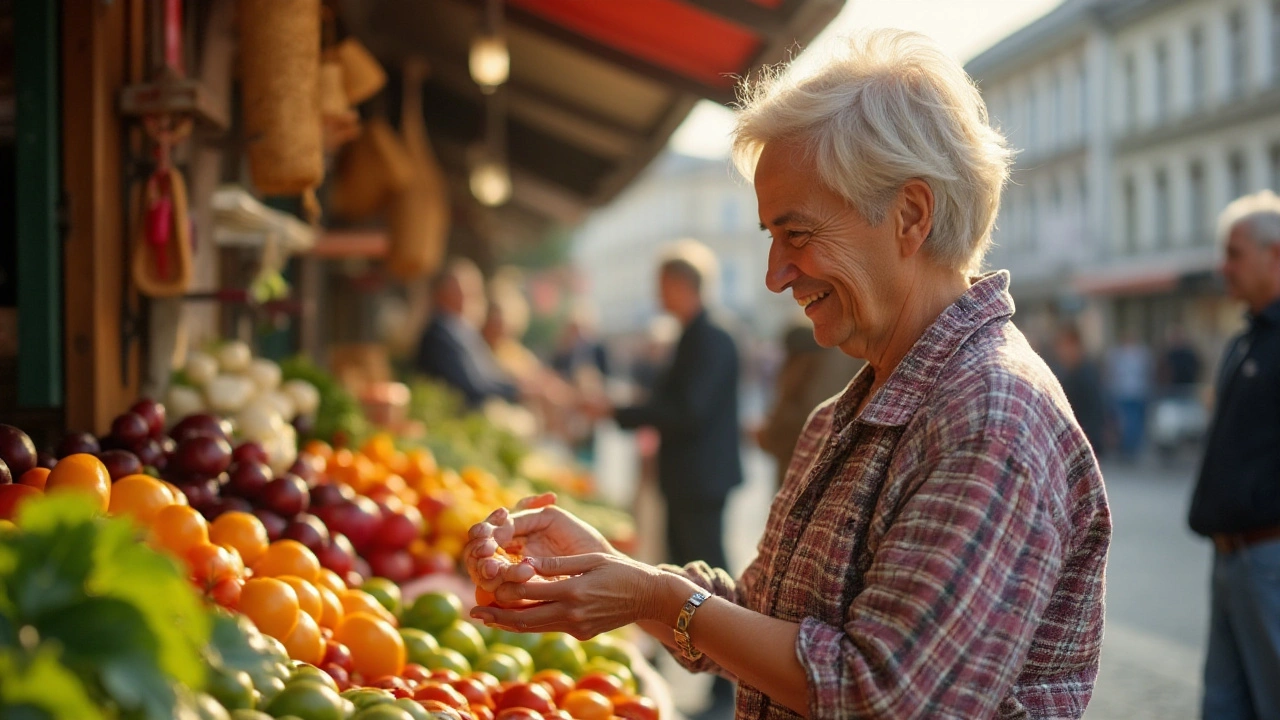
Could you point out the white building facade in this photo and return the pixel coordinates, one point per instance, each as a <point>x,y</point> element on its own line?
<point>619,247</point>
<point>1136,122</point>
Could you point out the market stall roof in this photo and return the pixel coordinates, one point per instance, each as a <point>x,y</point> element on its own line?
<point>596,86</point>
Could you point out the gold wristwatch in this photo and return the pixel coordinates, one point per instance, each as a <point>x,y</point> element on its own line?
<point>682,626</point>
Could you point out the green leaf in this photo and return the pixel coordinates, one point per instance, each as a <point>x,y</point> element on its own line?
<point>38,681</point>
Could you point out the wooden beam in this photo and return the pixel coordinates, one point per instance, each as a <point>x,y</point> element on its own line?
<point>39,267</point>
<point>94,68</point>
<point>609,54</point>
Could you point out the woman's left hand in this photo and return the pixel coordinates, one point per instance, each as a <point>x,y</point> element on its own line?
<point>602,592</point>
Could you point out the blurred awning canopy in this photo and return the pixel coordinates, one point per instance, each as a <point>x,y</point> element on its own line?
<point>596,86</point>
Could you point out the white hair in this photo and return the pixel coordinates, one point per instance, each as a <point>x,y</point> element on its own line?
<point>891,106</point>
<point>1259,212</point>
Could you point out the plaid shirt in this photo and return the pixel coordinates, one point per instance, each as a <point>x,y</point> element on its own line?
<point>942,551</point>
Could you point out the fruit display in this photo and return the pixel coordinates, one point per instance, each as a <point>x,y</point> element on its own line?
<point>121,633</point>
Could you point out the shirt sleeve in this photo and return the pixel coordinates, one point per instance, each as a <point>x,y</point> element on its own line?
<point>701,375</point>
<point>952,599</point>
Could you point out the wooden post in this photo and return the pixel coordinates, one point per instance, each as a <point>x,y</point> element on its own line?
<point>97,57</point>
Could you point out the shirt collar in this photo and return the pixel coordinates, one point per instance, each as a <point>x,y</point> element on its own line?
<point>1270,315</point>
<point>898,399</point>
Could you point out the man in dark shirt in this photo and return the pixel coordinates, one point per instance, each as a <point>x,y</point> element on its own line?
<point>452,348</point>
<point>1237,498</point>
<point>1082,383</point>
<point>694,408</point>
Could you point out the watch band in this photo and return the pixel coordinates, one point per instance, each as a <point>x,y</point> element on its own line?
<point>682,625</point>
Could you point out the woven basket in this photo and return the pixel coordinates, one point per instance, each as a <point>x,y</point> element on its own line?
<point>369,169</point>
<point>333,96</point>
<point>280,83</point>
<point>363,76</point>
<point>418,216</point>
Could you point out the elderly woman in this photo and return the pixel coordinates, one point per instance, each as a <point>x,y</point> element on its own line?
<point>937,548</point>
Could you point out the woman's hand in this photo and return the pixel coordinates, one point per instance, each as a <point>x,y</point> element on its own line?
<point>603,591</point>
<point>538,529</point>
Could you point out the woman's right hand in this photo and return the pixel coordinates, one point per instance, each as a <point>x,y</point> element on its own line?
<point>538,528</point>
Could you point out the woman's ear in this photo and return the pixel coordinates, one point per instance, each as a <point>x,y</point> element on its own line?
<point>914,213</point>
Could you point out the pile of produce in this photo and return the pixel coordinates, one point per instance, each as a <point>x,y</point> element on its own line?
<point>95,624</point>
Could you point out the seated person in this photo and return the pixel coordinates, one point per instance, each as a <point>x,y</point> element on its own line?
<point>451,348</point>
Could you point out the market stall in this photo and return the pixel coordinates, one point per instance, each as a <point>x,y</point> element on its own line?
<point>218,492</point>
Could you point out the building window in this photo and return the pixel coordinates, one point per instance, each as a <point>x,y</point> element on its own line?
<point>1275,167</point>
<point>1162,208</point>
<point>1162,80</point>
<point>1199,67</point>
<point>1198,202</point>
<point>1275,42</point>
<point>1082,93</point>
<point>1033,118</point>
<point>1055,112</point>
<point>1130,240</point>
<point>1130,91</point>
<point>1238,54</point>
<point>1237,176</point>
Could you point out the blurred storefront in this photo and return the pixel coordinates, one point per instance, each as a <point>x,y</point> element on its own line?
<point>487,126</point>
<point>1136,122</point>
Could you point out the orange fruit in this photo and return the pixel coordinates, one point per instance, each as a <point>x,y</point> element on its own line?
<point>305,642</point>
<point>484,598</point>
<point>586,705</point>
<point>210,564</point>
<point>242,531</point>
<point>288,557</point>
<point>179,497</point>
<point>82,473</point>
<point>178,529</point>
<point>12,496</point>
<point>331,611</point>
<point>380,448</point>
<point>330,579</point>
<point>272,605</point>
<point>35,477</point>
<point>359,601</point>
<point>309,600</point>
<point>376,648</point>
<point>318,448</point>
<point>138,496</point>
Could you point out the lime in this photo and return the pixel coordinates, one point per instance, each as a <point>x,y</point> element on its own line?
<point>463,637</point>
<point>243,714</point>
<point>433,611</point>
<point>208,708</point>
<point>312,674</point>
<point>447,659</point>
<point>528,641</point>
<point>616,669</point>
<point>520,655</point>
<point>309,700</point>
<point>232,688</point>
<point>414,708</point>
<point>608,648</point>
<point>275,647</point>
<point>269,688</point>
<point>417,643</point>
<point>365,697</point>
<point>385,592</point>
<point>560,651</point>
<point>486,633</point>
<point>503,667</point>
<point>389,711</point>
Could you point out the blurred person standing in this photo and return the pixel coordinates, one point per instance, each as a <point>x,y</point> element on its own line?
<point>451,348</point>
<point>1180,365</point>
<point>504,326</point>
<point>1082,382</point>
<point>1236,501</point>
<point>1129,376</point>
<point>694,408</point>
<point>809,374</point>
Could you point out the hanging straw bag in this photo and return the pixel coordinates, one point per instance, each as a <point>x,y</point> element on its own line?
<point>280,83</point>
<point>418,216</point>
<point>370,169</point>
<point>362,75</point>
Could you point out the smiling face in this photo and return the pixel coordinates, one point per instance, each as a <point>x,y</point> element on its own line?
<point>845,272</point>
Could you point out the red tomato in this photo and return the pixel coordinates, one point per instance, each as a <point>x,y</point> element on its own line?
<point>525,695</point>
